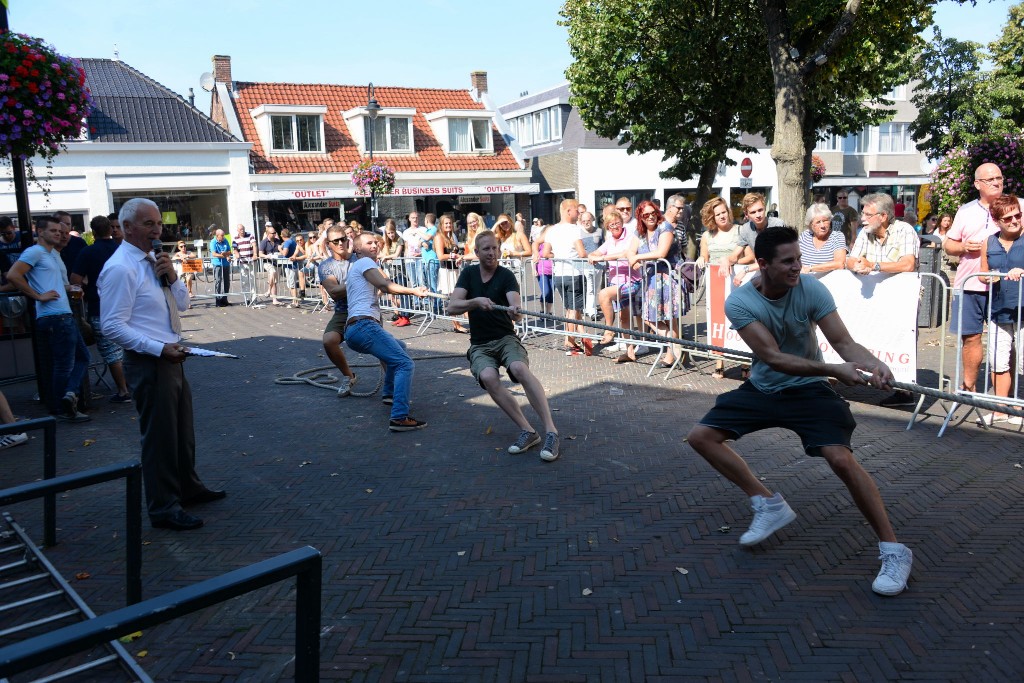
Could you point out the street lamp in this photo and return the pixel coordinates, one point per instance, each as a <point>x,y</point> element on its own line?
<point>372,108</point>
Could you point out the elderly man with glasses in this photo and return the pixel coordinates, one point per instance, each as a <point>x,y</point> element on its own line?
<point>625,208</point>
<point>972,226</point>
<point>885,245</point>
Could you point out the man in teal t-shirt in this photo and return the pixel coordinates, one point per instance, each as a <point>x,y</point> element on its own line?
<point>777,314</point>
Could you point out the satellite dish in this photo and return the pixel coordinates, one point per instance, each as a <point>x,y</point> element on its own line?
<point>206,81</point>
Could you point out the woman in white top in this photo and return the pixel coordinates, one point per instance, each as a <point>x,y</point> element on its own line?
<point>716,245</point>
<point>512,242</point>
<point>566,243</point>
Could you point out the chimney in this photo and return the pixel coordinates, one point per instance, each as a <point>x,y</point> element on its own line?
<point>222,69</point>
<point>478,81</point>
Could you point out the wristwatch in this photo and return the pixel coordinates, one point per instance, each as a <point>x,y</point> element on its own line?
<point>878,267</point>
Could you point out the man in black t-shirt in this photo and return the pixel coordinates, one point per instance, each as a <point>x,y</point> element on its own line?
<point>85,272</point>
<point>494,343</point>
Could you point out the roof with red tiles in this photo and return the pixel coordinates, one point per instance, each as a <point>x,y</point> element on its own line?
<point>342,152</point>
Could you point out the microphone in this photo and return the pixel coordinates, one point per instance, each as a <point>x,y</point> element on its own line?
<point>158,248</point>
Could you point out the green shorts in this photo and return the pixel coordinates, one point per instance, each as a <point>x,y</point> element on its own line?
<point>337,323</point>
<point>497,354</point>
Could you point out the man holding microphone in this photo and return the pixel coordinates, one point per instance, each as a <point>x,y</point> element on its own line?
<point>142,297</point>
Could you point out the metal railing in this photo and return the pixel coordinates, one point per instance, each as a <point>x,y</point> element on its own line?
<point>304,564</point>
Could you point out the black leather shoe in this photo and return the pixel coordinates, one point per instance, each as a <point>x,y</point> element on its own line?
<point>178,521</point>
<point>205,496</point>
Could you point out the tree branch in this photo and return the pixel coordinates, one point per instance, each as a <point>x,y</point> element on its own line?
<point>843,27</point>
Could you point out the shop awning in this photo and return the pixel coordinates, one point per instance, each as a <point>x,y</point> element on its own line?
<point>401,191</point>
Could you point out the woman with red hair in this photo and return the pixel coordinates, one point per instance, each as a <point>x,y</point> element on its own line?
<point>655,244</point>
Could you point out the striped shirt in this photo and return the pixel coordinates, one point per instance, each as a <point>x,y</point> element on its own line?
<point>810,256</point>
<point>246,248</point>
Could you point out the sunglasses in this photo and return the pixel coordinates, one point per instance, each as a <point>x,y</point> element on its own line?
<point>1010,219</point>
<point>340,241</point>
<point>649,214</point>
<point>623,208</point>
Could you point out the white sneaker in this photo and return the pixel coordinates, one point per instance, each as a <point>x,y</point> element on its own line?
<point>12,440</point>
<point>896,561</point>
<point>345,385</point>
<point>770,515</point>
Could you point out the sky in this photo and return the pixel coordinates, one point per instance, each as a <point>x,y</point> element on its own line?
<point>415,43</point>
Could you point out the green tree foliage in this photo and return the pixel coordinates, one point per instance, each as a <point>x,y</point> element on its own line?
<point>685,76</point>
<point>954,98</point>
<point>1007,52</point>
<point>682,78</point>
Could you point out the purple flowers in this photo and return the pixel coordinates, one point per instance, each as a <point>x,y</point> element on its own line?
<point>376,176</point>
<point>40,108</point>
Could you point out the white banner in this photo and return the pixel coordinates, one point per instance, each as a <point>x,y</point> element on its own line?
<point>879,310</point>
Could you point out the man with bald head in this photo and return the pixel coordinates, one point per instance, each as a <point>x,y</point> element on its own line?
<point>972,226</point>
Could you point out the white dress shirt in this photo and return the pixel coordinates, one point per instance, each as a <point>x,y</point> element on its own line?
<point>133,313</point>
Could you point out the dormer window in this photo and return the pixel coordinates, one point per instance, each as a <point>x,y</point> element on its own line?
<point>296,133</point>
<point>291,129</point>
<point>392,130</point>
<point>390,133</point>
<point>470,135</point>
<point>466,131</point>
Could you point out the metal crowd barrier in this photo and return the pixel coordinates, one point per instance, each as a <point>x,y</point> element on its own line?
<point>991,344</point>
<point>304,564</point>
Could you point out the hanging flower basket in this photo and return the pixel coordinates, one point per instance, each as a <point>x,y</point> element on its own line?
<point>373,175</point>
<point>817,168</point>
<point>43,99</point>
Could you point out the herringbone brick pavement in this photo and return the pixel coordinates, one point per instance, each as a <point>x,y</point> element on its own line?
<point>447,559</point>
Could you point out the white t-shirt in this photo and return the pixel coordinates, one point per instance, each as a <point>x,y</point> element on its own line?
<point>562,238</point>
<point>362,296</point>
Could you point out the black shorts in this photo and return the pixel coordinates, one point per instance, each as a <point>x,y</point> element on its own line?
<point>818,415</point>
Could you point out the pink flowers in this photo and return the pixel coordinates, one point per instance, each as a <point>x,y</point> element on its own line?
<point>29,70</point>
<point>375,176</point>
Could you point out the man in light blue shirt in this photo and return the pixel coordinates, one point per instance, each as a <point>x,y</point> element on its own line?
<point>40,275</point>
<point>777,315</point>
<point>220,250</point>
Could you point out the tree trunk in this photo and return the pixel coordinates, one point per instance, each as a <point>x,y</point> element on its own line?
<point>788,149</point>
<point>704,185</point>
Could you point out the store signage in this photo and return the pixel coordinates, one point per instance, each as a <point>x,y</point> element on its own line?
<point>401,191</point>
<point>315,204</point>
<point>474,199</point>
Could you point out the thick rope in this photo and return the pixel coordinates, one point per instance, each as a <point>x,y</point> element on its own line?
<point>318,377</point>
<point>687,343</point>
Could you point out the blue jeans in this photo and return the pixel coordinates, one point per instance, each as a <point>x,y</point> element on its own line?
<point>367,336</point>
<point>430,271</point>
<point>69,355</point>
<point>413,278</point>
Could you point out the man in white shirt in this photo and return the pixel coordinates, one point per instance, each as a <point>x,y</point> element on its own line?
<point>137,316</point>
<point>413,237</point>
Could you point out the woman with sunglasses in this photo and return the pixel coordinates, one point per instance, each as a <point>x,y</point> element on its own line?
<point>656,243</point>
<point>180,254</point>
<point>1004,253</point>
<point>512,241</point>
<point>391,260</point>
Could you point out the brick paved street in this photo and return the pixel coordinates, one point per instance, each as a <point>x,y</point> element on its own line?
<point>446,559</point>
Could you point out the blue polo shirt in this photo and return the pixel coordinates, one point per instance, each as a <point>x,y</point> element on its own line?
<point>220,248</point>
